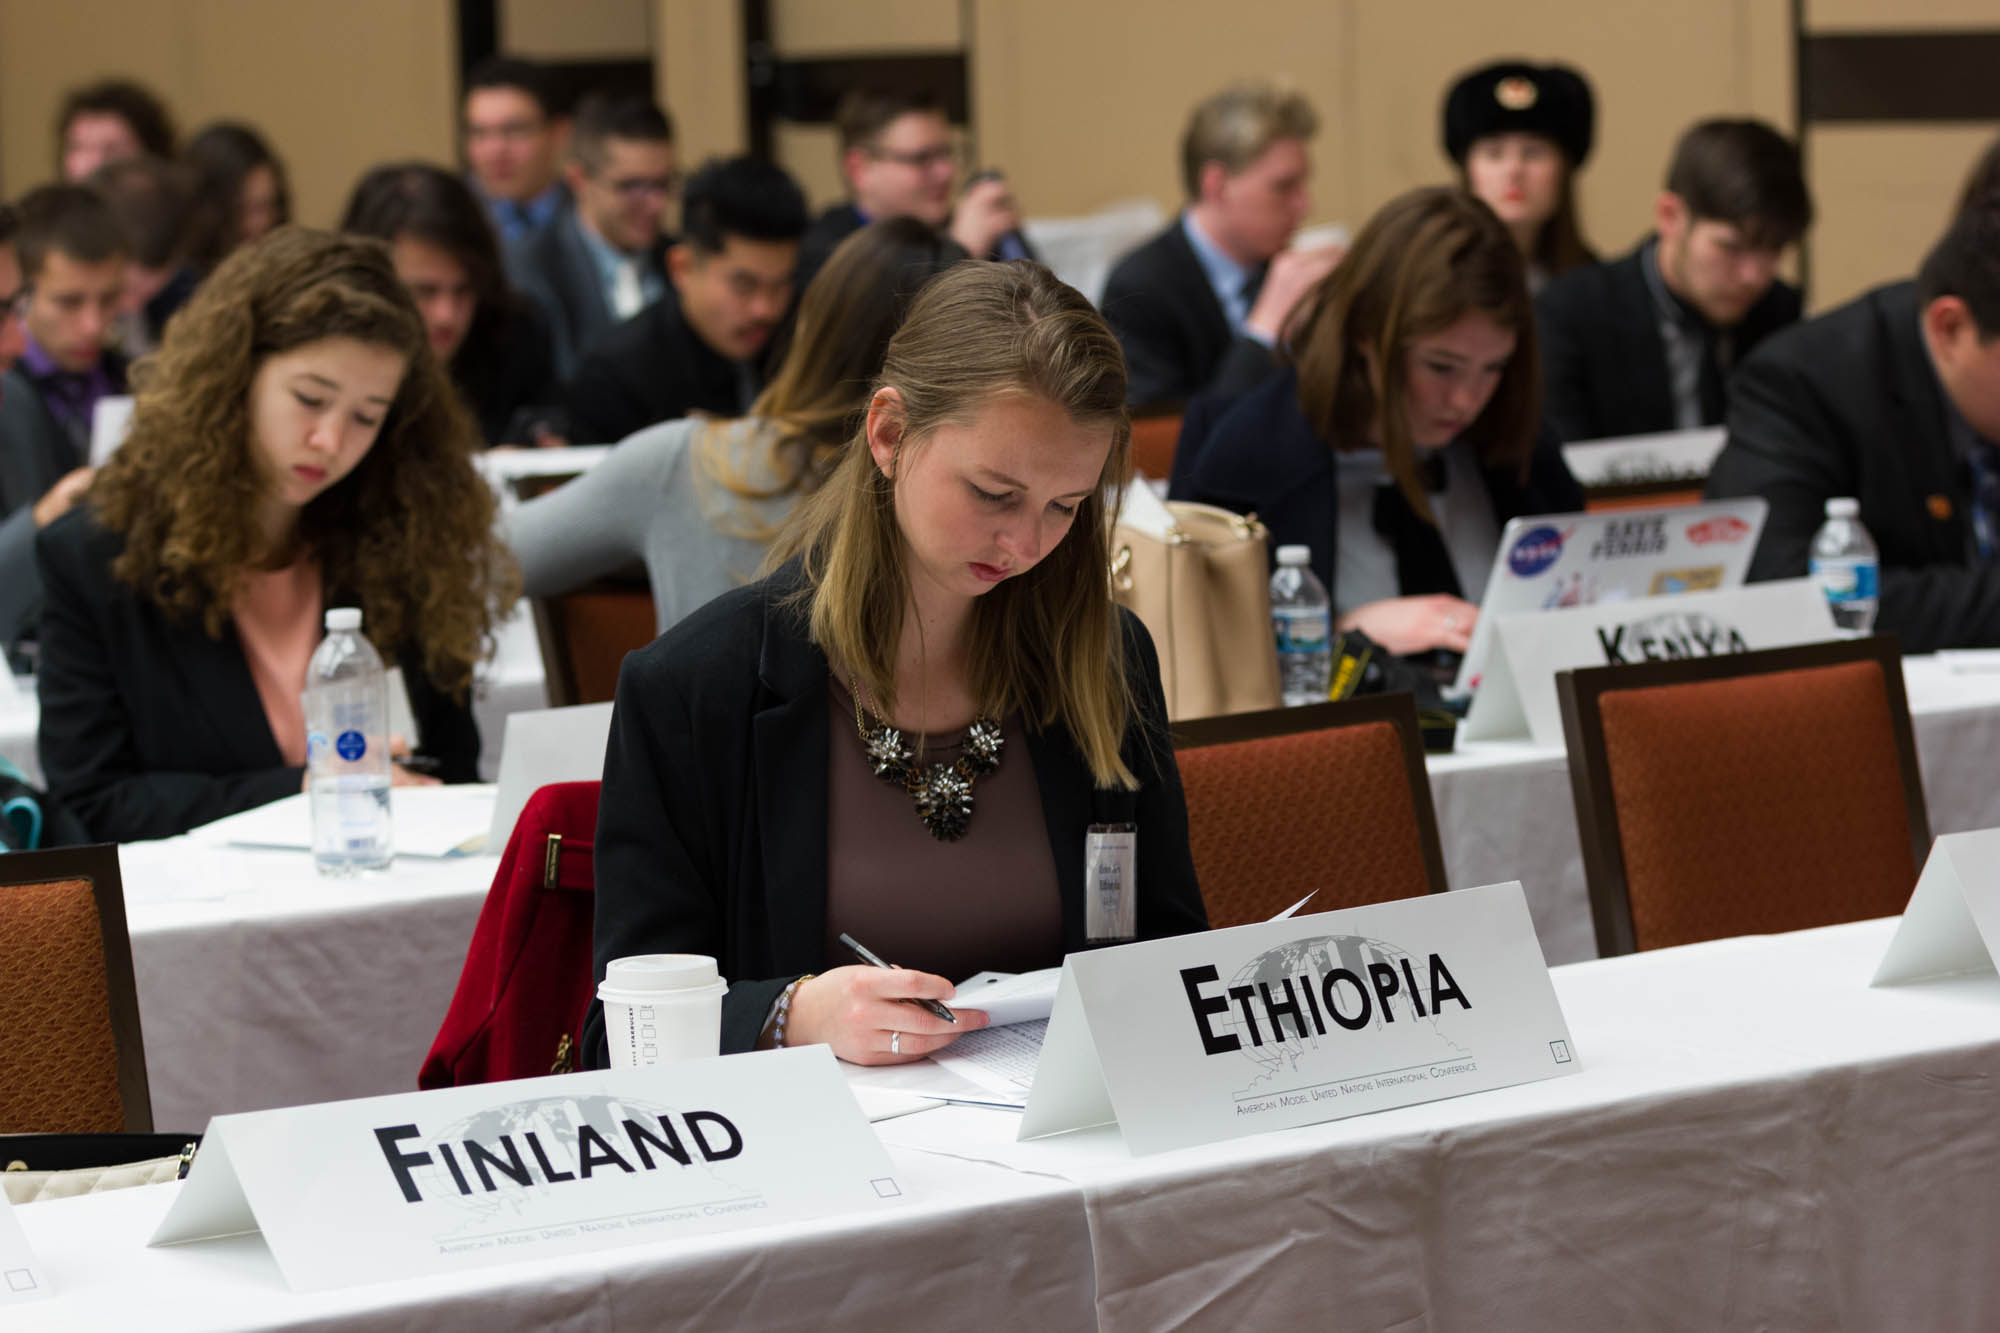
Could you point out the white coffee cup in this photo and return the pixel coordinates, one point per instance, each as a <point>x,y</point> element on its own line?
<point>661,1007</point>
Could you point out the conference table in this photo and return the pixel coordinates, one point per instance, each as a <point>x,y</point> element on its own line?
<point>1753,1138</point>
<point>262,985</point>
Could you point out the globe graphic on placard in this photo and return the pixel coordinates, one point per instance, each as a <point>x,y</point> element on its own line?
<point>1305,961</point>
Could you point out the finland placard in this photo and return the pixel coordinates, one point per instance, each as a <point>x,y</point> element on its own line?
<point>436,1182</point>
<point>1517,697</point>
<point>1205,1037</point>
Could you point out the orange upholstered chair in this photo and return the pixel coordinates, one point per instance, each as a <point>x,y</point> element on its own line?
<point>1330,799</point>
<point>71,1057</point>
<point>585,633</point>
<point>1744,795</point>
<point>1153,441</point>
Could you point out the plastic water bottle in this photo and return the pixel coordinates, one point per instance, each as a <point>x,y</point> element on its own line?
<point>1847,566</point>
<point>347,749</point>
<point>1302,618</point>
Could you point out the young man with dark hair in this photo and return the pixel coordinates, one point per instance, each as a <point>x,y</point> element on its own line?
<point>700,347</point>
<point>1646,343</point>
<point>515,128</point>
<point>1893,399</point>
<point>1199,307</point>
<point>72,255</point>
<point>898,159</point>
<point>153,201</point>
<point>601,259</point>
<point>108,122</point>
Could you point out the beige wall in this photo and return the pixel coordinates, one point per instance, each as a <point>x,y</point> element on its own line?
<point>336,89</point>
<point>576,29</point>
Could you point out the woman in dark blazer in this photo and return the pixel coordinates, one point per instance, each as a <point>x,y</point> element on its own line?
<point>294,446</point>
<point>1408,409</point>
<point>906,732</point>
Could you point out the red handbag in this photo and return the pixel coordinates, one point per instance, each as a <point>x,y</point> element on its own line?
<point>528,978</point>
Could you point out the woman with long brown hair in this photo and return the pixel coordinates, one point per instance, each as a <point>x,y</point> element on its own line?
<point>1401,435</point>
<point>1519,133</point>
<point>699,499</point>
<point>294,446</point>
<point>907,732</point>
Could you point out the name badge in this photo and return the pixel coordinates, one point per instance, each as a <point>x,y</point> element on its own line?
<point>1203,1037</point>
<point>1110,861</point>
<point>437,1182</point>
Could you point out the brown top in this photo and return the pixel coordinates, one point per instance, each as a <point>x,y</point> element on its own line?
<point>277,615</point>
<point>986,902</point>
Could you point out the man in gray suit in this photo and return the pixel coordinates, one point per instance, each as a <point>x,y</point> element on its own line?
<point>599,262</point>
<point>72,258</point>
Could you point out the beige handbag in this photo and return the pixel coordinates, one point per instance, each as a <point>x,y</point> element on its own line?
<point>1203,591</point>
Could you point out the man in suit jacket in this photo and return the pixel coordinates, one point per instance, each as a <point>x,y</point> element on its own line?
<point>701,346</point>
<point>1893,399</point>
<point>72,257</point>
<point>1199,307</point>
<point>898,159</point>
<point>1646,343</point>
<point>600,261</point>
<point>515,127</point>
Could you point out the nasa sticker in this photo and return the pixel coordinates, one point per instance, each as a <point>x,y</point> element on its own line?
<point>1535,550</point>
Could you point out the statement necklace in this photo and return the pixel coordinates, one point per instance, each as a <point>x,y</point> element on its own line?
<point>942,792</point>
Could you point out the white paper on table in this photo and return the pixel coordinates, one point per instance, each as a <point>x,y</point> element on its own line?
<point>1009,997</point>
<point>999,1059</point>
<point>888,1104</point>
<point>426,821</point>
<point>1969,661</point>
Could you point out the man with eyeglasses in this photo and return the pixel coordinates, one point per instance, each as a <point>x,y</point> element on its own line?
<point>72,255</point>
<point>898,158</point>
<point>514,135</point>
<point>601,260</point>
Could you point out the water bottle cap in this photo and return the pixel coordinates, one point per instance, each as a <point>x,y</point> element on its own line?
<point>1295,555</point>
<point>340,618</point>
<point>1844,506</point>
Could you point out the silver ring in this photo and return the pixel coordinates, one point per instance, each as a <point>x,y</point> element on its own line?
<point>1451,622</point>
<point>895,1043</point>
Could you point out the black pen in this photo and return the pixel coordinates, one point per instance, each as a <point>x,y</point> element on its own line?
<point>866,955</point>
<point>421,763</point>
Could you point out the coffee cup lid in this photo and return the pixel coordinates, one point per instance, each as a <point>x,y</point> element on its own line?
<point>661,972</point>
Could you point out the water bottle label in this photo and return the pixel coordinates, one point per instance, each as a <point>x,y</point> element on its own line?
<point>315,745</point>
<point>1300,631</point>
<point>351,745</point>
<point>1846,580</point>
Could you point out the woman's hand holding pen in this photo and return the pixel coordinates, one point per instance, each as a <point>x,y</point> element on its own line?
<point>868,1015</point>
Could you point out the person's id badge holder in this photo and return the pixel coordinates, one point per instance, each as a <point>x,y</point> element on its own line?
<point>1110,878</point>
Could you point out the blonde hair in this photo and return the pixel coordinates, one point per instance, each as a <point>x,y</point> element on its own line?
<point>1238,124</point>
<point>1047,642</point>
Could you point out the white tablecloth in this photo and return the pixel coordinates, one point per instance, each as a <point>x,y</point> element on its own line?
<point>1753,1139</point>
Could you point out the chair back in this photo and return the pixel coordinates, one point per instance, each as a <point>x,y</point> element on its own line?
<point>518,1011</point>
<point>584,635</point>
<point>1329,799</point>
<point>1153,440</point>
<point>72,1058</point>
<point>1747,794</point>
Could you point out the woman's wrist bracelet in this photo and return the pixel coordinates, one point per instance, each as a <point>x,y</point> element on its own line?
<point>785,1011</point>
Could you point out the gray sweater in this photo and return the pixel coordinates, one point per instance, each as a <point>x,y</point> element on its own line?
<point>645,501</point>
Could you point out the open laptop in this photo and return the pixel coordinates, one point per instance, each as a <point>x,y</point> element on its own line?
<point>1558,560</point>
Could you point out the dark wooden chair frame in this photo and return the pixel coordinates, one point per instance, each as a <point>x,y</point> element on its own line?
<point>98,865</point>
<point>1581,693</point>
<point>558,672</point>
<point>1399,710</point>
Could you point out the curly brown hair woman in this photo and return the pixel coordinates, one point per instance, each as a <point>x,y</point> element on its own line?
<point>295,446</point>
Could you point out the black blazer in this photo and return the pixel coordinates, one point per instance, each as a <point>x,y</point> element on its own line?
<point>553,265</point>
<point>712,830</point>
<point>1263,458</point>
<point>506,374</point>
<point>149,726</point>
<point>1848,404</point>
<point>652,368</point>
<point>828,230</point>
<point>1604,367</point>
<point>1176,337</point>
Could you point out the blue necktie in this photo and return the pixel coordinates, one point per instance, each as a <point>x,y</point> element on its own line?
<point>1985,463</point>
